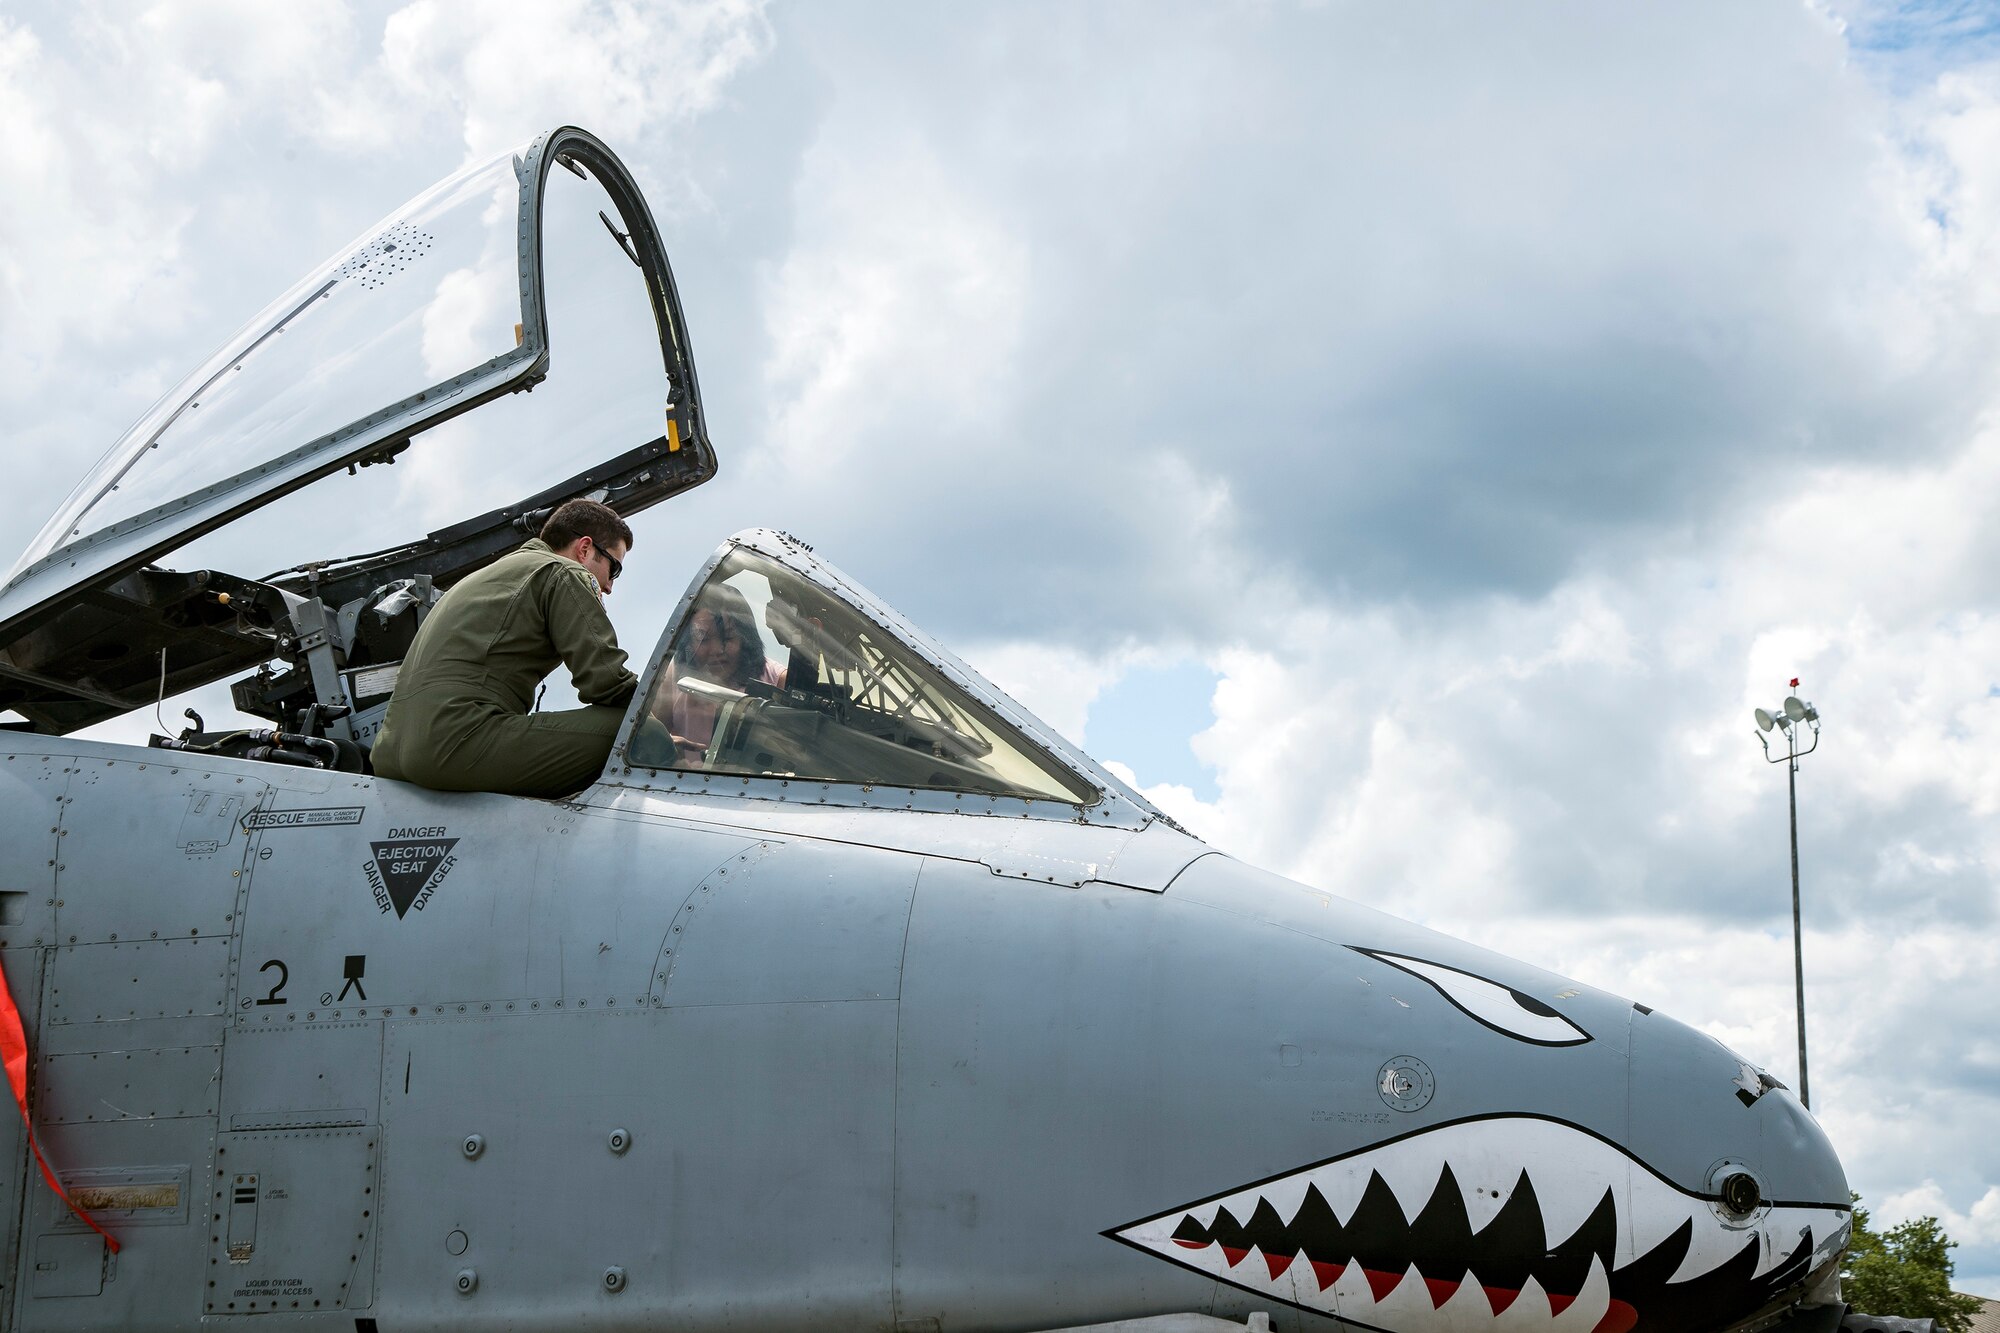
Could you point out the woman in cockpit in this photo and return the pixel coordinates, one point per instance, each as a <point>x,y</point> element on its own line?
<point>721,646</point>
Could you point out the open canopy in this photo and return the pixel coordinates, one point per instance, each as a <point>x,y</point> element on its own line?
<point>438,310</point>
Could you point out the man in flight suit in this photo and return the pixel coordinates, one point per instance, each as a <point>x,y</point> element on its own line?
<point>459,719</point>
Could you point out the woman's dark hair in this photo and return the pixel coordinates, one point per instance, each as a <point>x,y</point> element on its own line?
<point>729,606</point>
<point>586,518</point>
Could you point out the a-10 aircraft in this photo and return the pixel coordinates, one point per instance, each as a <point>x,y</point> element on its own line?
<point>885,1009</point>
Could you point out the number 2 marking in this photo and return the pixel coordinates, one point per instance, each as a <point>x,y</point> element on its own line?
<point>277,992</point>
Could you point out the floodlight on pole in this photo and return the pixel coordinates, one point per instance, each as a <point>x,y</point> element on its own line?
<point>1792,716</point>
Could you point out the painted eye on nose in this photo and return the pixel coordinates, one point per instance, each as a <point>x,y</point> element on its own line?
<point>1502,1008</point>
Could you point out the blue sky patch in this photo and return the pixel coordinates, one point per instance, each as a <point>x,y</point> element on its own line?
<point>1145,719</point>
<point>1913,41</point>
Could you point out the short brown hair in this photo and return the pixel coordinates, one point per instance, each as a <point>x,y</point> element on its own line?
<point>585,518</point>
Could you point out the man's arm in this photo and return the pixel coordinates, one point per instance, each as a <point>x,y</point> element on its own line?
<point>582,633</point>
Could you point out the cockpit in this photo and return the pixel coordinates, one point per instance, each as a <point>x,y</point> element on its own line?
<point>771,675</point>
<point>416,344</point>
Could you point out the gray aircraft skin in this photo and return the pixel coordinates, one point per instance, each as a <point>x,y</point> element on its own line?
<point>899,1016</point>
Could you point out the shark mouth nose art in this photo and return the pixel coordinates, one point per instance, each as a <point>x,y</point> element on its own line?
<point>1503,1222</point>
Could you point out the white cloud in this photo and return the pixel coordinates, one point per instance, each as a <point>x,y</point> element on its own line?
<point>73,263</point>
<point>588,62</point>
<point>909,303</point>
<point>1977,1225</point>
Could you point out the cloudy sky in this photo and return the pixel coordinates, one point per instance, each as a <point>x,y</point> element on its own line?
<point>1410,439</point>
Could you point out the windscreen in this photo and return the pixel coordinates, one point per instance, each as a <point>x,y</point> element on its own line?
<point>429,294</point>
<point>771,675</point>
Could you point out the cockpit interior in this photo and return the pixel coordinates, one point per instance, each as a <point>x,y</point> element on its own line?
<point>772,675</point>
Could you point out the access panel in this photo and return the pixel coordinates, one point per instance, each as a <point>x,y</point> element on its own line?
<point>717,1166</point>
<point>144,1180</point>
<point>292,1221</point>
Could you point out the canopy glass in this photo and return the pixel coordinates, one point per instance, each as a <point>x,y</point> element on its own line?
<point>430,293</point>
<point>772,674</point>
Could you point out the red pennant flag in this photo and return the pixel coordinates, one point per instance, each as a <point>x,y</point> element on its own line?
<point>14,1052</point>
<point>1795,682</point>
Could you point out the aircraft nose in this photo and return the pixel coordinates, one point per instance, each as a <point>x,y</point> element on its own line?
<point>1695,1103</point>
<point>1749,1205</point>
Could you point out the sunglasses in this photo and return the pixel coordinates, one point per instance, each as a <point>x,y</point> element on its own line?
<point>612,562</point>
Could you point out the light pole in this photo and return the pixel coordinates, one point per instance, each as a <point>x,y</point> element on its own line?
<point>1789,717</point>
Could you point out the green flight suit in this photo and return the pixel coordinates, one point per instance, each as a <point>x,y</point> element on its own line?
<point>459,719</point>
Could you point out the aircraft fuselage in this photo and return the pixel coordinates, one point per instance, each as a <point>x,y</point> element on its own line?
<point>350,1048</point>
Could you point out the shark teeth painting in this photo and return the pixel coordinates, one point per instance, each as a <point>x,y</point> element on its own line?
<point>1500,1222</point>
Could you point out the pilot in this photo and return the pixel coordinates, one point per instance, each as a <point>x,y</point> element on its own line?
<point>719,644</point>
<point>459,718</point>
